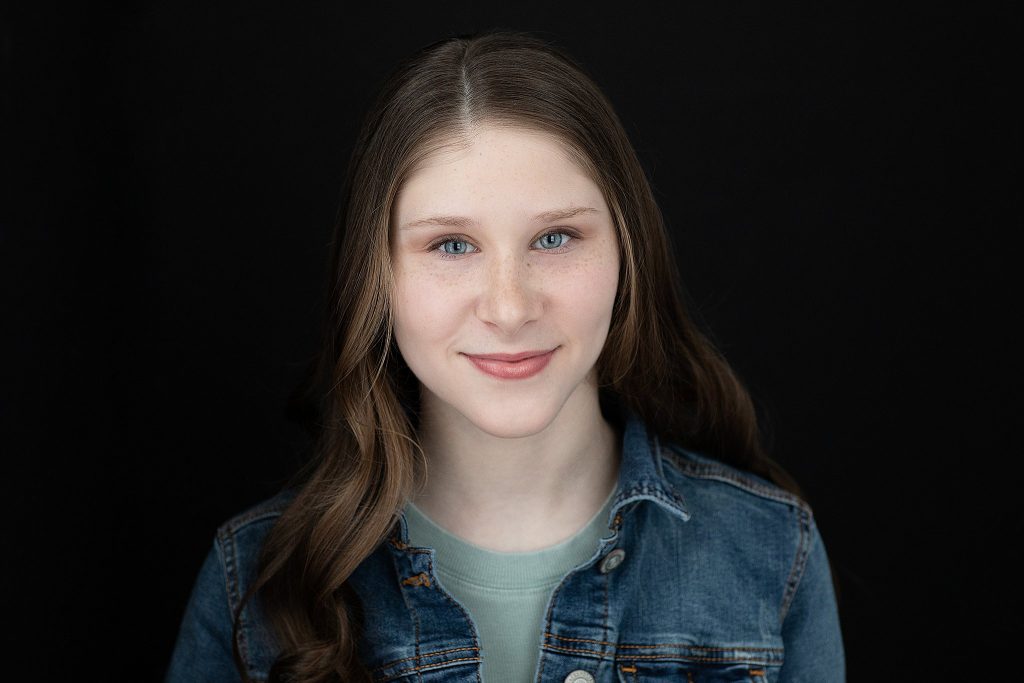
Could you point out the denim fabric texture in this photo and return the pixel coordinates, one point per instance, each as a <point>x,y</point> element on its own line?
<point>724,577</point>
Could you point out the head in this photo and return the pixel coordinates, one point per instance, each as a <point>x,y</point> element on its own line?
<point>488,133</point>
<point>442,251</point>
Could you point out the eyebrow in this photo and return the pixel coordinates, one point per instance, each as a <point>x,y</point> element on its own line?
<point>463,222</point>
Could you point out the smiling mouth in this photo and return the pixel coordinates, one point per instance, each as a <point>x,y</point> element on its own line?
<point>510,357</point>
<point>522,365</point>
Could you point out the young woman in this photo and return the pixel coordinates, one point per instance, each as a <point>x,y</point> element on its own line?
<point>531,465</point>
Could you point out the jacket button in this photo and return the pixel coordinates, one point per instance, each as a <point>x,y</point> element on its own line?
<point>579,676</point>
<point>612,560</point>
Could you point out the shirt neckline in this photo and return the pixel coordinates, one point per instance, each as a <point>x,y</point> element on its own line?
<point>494,570</point>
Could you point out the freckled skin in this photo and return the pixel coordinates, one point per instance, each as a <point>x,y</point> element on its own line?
<point>505,292</point>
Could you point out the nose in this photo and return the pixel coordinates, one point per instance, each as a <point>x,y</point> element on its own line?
<point>509,296</point>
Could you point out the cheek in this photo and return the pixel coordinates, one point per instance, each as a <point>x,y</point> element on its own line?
<point>587,292</point>
<point>427,304</point>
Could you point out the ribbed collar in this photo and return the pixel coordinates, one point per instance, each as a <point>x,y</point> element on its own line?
<point>491,570</point>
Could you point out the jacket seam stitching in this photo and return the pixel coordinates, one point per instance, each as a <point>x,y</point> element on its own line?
<point>230,552</point>
<point>604,619</point>
<point>419,668</point>
<point>799,563</point>
<point>630,657</point>
<point>414,616</point>
<point>469,619</point>
<point>382,667</point>
<point>236,524</point>
<point>721,473</point>
<point>624,646</point>
<point>547,629</point>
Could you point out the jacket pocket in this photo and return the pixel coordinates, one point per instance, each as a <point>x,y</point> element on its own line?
<point>693,672</point>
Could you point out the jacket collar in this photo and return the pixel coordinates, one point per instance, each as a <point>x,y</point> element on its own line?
<point>641,474</point>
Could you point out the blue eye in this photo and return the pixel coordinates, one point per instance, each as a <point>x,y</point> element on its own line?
<point>557,242</point>
<point>458,250</point>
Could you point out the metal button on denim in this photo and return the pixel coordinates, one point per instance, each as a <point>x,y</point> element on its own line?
<point>579,676</point>
<point>612,560</point>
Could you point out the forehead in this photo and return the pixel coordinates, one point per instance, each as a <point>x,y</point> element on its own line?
<point>496,169</point>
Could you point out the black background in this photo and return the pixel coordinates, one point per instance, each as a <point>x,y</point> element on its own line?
<point>842,185</point>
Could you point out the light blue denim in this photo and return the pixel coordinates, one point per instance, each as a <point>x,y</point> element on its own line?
<point>724,578</point>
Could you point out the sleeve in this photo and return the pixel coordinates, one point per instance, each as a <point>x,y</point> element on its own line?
<point>203,650</point>
<point>810,629</point>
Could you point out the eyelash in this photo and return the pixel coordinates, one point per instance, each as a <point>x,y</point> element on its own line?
<point>435,246</point>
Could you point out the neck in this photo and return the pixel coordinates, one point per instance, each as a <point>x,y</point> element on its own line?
<point>518,494</point>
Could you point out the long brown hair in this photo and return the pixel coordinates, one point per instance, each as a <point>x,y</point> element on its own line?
<point>367,462</point>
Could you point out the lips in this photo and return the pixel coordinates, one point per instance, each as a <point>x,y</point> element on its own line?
<point>509,357</point>
<point>512,365</point>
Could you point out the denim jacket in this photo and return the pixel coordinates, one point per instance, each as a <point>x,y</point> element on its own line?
<point>708,573</point>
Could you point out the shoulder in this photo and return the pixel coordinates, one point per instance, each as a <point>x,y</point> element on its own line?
<point>757,521</point>
<point>703,476</point>
<point>243,534</point>
<point>204,648</point>
<point>240,539</point>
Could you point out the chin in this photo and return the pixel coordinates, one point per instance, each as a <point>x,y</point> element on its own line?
<point>510,421</point>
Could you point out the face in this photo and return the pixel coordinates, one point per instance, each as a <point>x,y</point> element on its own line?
<point>484,263</point>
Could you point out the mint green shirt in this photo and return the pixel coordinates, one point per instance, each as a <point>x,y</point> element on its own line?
<point>505,593</point>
